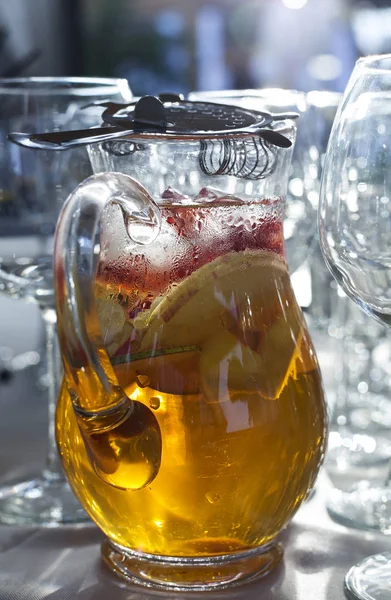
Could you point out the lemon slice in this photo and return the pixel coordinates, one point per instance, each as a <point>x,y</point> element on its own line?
<point>112,318</point>
<point>198,307</point>
<point>120,338</point>
<point>229,368</point>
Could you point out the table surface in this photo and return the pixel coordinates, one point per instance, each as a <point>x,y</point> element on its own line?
<point>64,563</point>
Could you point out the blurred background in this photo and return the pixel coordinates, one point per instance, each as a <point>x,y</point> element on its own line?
<point>184,45</point>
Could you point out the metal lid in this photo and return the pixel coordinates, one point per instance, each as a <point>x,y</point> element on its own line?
<point>233,140</point>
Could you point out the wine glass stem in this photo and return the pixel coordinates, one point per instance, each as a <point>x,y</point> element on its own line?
<point>53,469</point>
<point>341,414</point>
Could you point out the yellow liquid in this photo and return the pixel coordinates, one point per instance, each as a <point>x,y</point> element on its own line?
<point>226,366</point>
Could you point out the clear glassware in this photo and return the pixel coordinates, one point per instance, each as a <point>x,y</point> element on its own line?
<point>359,445</point>
<point>359,449</point>
<point>192,420</point>
<point>321,109</point>
<point>354,225</point>
<point>303,184</point>
<point>33,187</point>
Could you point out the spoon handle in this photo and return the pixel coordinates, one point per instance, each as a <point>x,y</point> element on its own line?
<point>63,140</point>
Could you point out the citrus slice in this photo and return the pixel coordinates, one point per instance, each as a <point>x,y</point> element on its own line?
<point>112,318</point>
<point>229,367</point>
<point>198,307</point>
<point>119,339</point>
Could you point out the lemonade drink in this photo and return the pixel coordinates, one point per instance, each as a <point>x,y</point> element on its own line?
<point>202,326</point>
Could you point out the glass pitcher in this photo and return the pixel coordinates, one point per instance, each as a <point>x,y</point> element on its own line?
<point>191,422</point>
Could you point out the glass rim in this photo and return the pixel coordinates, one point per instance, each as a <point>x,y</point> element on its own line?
<point>250,92</point>
<point>280,97</point>
<point>372,63</point>
<point>77,86</point>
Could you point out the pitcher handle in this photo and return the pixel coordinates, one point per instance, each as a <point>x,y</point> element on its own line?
<point>115,429</point>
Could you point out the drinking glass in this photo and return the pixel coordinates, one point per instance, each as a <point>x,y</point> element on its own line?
<point>355,227</point>
<point>303,184</point>
<point>359,448</point>
<point>33,187</point>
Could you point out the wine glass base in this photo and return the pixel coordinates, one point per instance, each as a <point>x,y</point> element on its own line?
<point>370,579</point>
<point>180,574</point>
<point>364,507</point>
<point>40,502</point>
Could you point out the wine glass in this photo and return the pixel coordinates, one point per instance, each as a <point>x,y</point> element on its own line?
<point>33,186</point>
<point>355,236</point>
<point>303,185</point>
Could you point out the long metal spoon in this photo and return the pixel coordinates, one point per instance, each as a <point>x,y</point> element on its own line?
<point>64,140</point>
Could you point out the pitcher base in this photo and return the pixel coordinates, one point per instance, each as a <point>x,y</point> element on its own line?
<point>193,574</point>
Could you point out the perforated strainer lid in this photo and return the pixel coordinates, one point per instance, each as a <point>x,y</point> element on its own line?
<point>233,140</point>
<point>192,119</point>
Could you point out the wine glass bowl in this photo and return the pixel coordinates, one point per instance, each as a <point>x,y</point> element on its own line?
<point>355,238</point>
<point>355,228</point>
